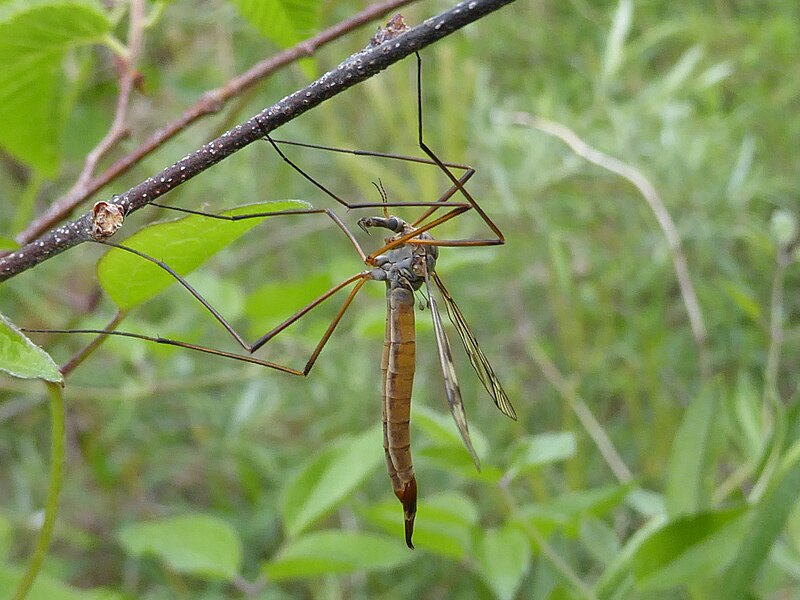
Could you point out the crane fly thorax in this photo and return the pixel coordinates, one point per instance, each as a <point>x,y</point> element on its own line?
<point>404,265</point>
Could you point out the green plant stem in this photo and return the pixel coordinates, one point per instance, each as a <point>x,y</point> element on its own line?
<point>660,212</point>
<point>116,46</point>
<point>772,406</point>
<point>776,321</point>
<point>550,553</point>
<point>581,409</point>
<point>53,490</point>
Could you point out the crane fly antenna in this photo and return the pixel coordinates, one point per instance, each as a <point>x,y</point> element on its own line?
<point>384,197</point>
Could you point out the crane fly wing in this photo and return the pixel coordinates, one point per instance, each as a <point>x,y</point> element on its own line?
<point>476,356</point>
<point>449,372</point>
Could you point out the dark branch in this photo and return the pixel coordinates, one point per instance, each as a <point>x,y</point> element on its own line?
<point>355,69</point>
<point>210,102</point>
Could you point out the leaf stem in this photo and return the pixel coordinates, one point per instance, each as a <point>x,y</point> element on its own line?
<point>116,46</point>
<point>53,491</point>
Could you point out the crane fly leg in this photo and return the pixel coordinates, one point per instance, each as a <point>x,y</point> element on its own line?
<point>264,215</point>
<point>362,279</point>
<point>250,348</point>
<point>457,183</point>
<point>432,205</point>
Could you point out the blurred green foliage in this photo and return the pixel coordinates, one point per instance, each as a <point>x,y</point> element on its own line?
<point>631,472</point>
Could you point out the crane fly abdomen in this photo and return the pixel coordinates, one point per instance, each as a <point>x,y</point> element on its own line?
<point>397,366</point>
<point>403,269</point>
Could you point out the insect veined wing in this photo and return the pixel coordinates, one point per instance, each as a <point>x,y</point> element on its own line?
<point>451,388</point>
<point>476,356</point>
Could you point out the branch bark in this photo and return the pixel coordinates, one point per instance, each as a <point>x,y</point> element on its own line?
<point>354,70</point>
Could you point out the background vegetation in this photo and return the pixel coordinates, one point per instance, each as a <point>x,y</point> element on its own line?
<point>635,470</point>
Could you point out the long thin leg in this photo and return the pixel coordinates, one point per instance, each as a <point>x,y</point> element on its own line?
<point>456,208</point>
<point>332,326</point>
<point>351,205</point>
<point>102,333</point>
<point>216,314</point>
<point>458,185</point>
<point>373,153</point>
<point>469,171</point>
<point>361,278</point>
<point>300,211</point>
<point>426,149</point>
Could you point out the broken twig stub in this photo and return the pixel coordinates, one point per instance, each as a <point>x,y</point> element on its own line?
<point>107,218</point>
<point>394,27</point>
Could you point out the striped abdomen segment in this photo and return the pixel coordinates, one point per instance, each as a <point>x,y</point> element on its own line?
<point>397,368</point>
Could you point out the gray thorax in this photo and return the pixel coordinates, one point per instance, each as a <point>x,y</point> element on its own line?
<point>404,265</point>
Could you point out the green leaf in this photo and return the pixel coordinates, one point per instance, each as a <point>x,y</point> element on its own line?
<point>544,518</point>
<point>617,580</point>
<point>749,414</point>
<point>442,432</point>
<point>744,300</point>
<point>768,521</point>
<point>276,299</point>
<point>567,511</point>
<point>285,22</point>
<point>646,502</point>
<point>792,529</point>
<point>184,244</point>
<point>502,559</point>
<point>690,470</point>
<point>197,544</point>
<point>325,552</point>
<point>688,549</point>
<point>599,539</point>
<point>533,451</point>
<point>445,523</point>
<point>328,478</point>
<point>7,243</point>
<point>220,292</point>
<point>22,358</point>
<point>34,36</point>
<point>47,587</point>
<point>677,77</point>
<point>594,502</point>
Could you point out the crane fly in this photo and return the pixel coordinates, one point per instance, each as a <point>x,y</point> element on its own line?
<point>405,263</point>
<point>405,268</point>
